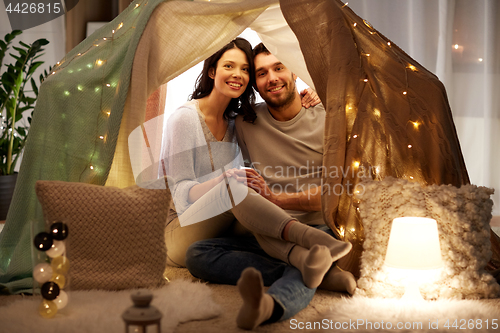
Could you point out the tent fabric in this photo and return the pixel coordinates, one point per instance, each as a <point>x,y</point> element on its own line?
<point>386,114</point>
<point>99,92</point>
<point>97,96</point>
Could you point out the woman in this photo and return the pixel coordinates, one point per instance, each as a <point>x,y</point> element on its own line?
<point>207,202</point>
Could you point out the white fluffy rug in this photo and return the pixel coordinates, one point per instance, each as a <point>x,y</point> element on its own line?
<point>360,314</point>
<point>100,311</point>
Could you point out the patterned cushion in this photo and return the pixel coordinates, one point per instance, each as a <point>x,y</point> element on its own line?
<point>116,236</point>
<point>462,214</point>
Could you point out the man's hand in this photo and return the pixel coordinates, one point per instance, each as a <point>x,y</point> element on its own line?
<point>256,182</point>
<point>309,98</point>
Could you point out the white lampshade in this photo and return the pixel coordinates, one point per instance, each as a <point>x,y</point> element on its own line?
<point>414,244</point>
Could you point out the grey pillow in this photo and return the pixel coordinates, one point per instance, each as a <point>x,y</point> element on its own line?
<point>116,236</point>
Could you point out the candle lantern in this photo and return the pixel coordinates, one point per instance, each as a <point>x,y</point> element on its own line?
<point>141,314</point>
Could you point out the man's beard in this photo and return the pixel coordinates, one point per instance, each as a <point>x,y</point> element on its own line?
<point>282,102</point>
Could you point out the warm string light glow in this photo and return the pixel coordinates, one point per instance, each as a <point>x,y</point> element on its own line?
<point>406,66</point>
<point>97,64</point>
<point>413,68</point>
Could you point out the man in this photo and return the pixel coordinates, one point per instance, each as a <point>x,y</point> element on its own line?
<point>285,146</point>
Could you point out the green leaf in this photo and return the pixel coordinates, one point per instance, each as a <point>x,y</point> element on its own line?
<point>16,57</point>
<point>24,44</point>
<point>20,50</point>
<point>33,67</point>
<point>40,42</point>
<point>35,88</point>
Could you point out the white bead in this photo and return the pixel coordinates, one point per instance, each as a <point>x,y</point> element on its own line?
<point>57,249</point>
<point>42,273</point>
<point>61,300</point>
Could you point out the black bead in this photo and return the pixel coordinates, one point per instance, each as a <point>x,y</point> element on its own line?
<point>50,290</point>
<point>59,231</point>
<point>43,241</point>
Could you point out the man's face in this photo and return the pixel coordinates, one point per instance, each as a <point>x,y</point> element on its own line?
<point>275,82</point>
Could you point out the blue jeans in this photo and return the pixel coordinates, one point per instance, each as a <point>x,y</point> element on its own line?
<point>221,260</point>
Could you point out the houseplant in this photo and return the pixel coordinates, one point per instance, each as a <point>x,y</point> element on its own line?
<point>16,99</point>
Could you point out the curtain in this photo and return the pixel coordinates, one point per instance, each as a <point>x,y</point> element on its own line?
<point>459,41</point>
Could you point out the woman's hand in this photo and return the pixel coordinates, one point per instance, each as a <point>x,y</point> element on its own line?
<point>229,173</point>
<point>255,181</point>
<point>198,190</point>
<point>309,98</point>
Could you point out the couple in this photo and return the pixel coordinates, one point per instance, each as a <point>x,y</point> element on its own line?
<point>214,215</point>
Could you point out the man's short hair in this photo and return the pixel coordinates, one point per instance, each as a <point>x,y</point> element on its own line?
<point>260,48</point>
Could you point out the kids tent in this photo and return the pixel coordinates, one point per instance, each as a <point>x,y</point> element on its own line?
<point>378,102</point>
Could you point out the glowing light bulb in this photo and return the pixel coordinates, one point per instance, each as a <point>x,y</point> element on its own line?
<point>355,24</point>
<point>101,137</point>
<point>113,31</point>
<point>80,88</point>
<point>480,59</point>
<point>136,6</point>
<point>368,54</point>
<point>455,46</point>
<point>389,43</point>
<point>342,6</point>
<point>105,38</point>
<point>404,92</point>
<point>415,124</point>
<point>99,62</point>
<point>413,68</point>
<point>409,146</point>
<point>108,85</point>
<point>366,80</point>
<point>355,136</point>
<point>411,177</point>
<point>376,112</point>
<point>356,164</point>
<point>91,167</point>
<point>66,93</point>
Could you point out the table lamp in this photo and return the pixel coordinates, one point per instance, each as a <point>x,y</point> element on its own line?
<point>413,254</point>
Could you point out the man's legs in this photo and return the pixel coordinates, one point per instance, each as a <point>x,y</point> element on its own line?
<point>223,260</point>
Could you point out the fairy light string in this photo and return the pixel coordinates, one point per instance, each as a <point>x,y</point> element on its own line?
<point>365,58</point>
<point>106,89</point>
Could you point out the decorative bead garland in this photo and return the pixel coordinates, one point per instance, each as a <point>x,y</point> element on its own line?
<point>51,275</point>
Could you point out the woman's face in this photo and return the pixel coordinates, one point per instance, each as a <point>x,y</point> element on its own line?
<point>232,74</point>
